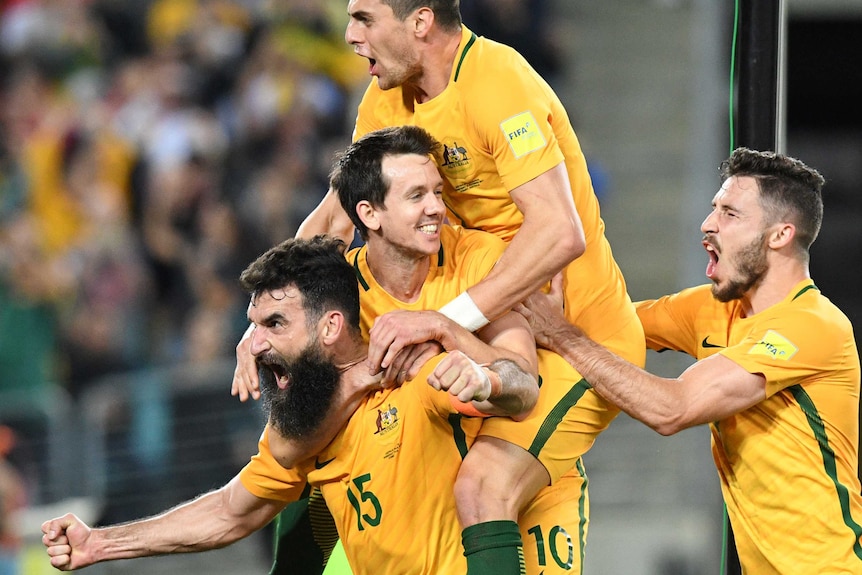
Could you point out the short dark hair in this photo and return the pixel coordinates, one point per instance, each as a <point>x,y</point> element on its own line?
<point>357,174</point>
<point>789,190</point>
<point>447,13</point>
<point>317,268</point>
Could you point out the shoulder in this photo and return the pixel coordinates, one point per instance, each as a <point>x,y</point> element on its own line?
<point>467,246</point>
<point>488,67</point>
<point>690,299</point>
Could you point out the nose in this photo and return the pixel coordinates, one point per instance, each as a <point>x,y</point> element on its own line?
<point>709,226</point>
<point>259,341</point>
<point>434,204</point>
<point>350,35</point>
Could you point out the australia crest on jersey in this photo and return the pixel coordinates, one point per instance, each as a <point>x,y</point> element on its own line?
<point>455,157</point>
<point>387,420</point>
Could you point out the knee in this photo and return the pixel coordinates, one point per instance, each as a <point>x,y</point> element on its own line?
<point>484,492</point>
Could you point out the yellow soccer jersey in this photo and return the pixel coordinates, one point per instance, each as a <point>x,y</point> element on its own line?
<point>788,465</point>
<point>387,478</point>
<point>501,126</point>
<point>465,258</point>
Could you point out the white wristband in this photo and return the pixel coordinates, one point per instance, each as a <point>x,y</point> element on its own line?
<point>463,311</point>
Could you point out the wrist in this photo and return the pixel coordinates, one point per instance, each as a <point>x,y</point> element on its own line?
<point>495,380</point>
<point>464,311</point>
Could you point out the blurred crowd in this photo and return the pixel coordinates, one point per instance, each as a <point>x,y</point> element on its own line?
<point>148,151</point>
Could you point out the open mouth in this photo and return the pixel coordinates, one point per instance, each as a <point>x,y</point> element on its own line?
<point>713,259</point>
<point>278,370</point>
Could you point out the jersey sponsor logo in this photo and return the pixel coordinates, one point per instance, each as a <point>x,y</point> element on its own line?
<point>318,464</point>
<point>387,420</point>
<point>706,344</point>
<point>775,346</point>
<point>523,134</point>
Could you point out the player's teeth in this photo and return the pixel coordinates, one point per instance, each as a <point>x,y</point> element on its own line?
<point>429,229</point>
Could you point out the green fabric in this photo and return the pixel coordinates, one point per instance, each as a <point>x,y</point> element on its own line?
<point>494,548</point>
<point>27,340</point>
<point>304,537</point>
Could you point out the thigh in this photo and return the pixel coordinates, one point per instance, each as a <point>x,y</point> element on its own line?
<point>554,526</point>
<point>496,480</point>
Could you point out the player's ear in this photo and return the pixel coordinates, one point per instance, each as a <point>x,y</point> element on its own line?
<point>781,235</point>
<point>368,215</point>
<point>330,327</point>
<point>422,21</point>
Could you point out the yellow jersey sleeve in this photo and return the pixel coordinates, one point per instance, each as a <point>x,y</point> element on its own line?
<point>264,477</point>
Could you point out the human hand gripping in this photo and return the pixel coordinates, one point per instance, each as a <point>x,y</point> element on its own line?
<point>463,378</point>
<point>67,540</point>
<point>245,379</point>
<point>544,312</point>
<point>401,341</point>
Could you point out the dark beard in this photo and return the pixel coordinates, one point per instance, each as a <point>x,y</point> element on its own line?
<point>752,267</point>
<point>298,410</point>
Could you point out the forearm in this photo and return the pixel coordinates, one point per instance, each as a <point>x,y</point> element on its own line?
<point>550,237</point>
<point>208,522</point>
<point>454,337</point>
<point>536,253</point>
<point>517,394</point>
<point>651,399</point>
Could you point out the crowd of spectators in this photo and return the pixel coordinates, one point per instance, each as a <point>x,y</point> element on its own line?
<point>148,150</point>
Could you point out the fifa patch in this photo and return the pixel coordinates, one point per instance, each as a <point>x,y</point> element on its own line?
<point>775,346</point>
<point>523,134</point>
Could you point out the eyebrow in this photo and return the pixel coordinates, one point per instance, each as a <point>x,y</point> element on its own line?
<point>268,319</point>
<point>362,15</point>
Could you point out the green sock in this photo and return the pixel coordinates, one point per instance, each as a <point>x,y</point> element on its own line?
<point>493,548</point>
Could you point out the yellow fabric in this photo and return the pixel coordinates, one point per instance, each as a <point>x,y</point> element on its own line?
<point>788,465</point>
<point>400,441</point>
<point>501,126</point>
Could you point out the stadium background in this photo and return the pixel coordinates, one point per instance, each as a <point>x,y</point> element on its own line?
<point>149,149</point>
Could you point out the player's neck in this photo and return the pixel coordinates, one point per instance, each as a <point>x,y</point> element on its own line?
<point>400,275</point>
<point>437,63</point>
<point>776,285</point>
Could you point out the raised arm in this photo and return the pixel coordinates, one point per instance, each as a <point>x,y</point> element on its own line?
<point>550,237</point>
<point>211,521</point>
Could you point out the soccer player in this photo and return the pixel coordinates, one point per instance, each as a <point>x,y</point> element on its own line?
<point>776,378</point>
<point>387,476</point>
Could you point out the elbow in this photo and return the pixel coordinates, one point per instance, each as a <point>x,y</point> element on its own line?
<point>571,245</point>
<point>665,429</point>
<point>527,403</point>
<point>669,424</point>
